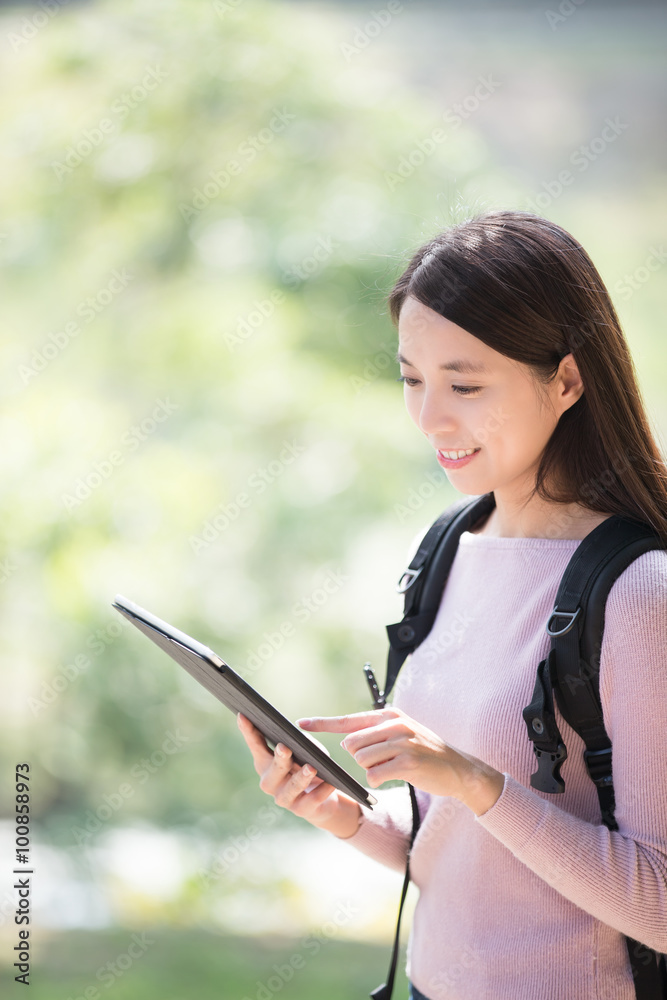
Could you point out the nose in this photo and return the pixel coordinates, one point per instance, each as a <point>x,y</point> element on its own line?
<point>435,417</point>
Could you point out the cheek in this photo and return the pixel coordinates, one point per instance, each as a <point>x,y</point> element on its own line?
<point>518,429</point>
<point>412,404</point>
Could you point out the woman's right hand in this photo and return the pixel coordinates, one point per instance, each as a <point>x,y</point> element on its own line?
<point>298,789</point>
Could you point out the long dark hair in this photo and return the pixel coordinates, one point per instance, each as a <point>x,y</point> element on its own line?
<point>525,287</point>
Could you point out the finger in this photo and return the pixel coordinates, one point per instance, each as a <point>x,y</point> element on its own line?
<point>392,729</point>
<point>259,749</point>
<point>307,803</point>
<point>263,757</point>
<point>286,794</point>
<point>347,723</point>
<point>385,771</point>
<point>379,753</point>
<point>278,771</point>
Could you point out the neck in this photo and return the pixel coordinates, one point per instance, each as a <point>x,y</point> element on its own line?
<point>538,518</point>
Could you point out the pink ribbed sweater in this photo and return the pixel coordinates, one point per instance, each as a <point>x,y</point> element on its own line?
<point>529,900</point>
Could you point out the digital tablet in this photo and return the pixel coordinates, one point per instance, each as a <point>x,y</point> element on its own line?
<point>229,688</point>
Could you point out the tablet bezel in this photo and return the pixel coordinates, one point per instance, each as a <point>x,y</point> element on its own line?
<point>216,675</point>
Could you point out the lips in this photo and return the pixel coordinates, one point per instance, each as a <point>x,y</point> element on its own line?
<point>454,463</point>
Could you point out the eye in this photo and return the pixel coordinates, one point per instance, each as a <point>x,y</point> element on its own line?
<point>466,390</point>
<point>462,390</point>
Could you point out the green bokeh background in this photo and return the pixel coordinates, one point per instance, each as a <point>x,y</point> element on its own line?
<point>199,411</point>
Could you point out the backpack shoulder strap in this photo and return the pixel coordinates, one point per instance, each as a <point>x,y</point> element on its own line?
<point>576,637</point>
<point>571,671</point>
<point>424,580</point>
<point>576,628</point>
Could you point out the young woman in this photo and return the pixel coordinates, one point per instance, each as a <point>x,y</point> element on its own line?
<point>517,373</point>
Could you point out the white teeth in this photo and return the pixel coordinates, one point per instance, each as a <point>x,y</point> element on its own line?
<point>453,455</point>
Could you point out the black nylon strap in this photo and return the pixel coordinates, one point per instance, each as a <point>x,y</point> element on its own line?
<point>648,971</point>
<point>597,562</point>
<point>384,992</point>
<point>430,566</point>
<point>578,624</point>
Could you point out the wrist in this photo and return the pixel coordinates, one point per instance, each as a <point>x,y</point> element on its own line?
<point>347,820</point>
<point>480,786</point>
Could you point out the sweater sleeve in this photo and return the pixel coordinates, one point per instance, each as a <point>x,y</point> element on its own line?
<point>384,832</point>
<point>619,877</point>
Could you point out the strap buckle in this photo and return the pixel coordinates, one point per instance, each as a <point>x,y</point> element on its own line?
<point>547,777</point>
<point>412,575</point>
<point>571,615</point>
<point>598,765</point>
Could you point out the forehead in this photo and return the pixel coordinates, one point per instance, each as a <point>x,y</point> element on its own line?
<point>421,331</point>
<point>427,338</point>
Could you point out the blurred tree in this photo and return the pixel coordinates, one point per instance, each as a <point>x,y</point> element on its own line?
<point>203,208</point>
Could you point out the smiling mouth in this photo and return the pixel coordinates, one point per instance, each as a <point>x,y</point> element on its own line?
<point>457,454</point>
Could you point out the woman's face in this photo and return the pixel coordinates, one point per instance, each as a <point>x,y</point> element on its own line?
<point>496,409</point>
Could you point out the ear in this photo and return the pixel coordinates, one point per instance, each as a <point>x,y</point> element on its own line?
<point>568,381</point>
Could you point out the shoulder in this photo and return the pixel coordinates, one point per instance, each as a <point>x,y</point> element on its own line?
<point>633,670</point>
<point>640,592</point>
<point>633,654</point>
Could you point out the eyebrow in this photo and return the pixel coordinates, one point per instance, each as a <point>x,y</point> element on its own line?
<point>462,367</point>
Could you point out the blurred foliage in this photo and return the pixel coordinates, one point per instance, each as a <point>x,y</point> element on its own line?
<point>137,409</point>
<point>197,234</point>
<point>173,966</point>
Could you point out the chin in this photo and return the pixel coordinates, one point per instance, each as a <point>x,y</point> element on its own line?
<point>470,486</point>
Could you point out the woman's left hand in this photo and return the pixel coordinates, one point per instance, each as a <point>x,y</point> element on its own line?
<point>388,744</point>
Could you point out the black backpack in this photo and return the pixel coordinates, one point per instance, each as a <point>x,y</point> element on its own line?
<point>570,671</point>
